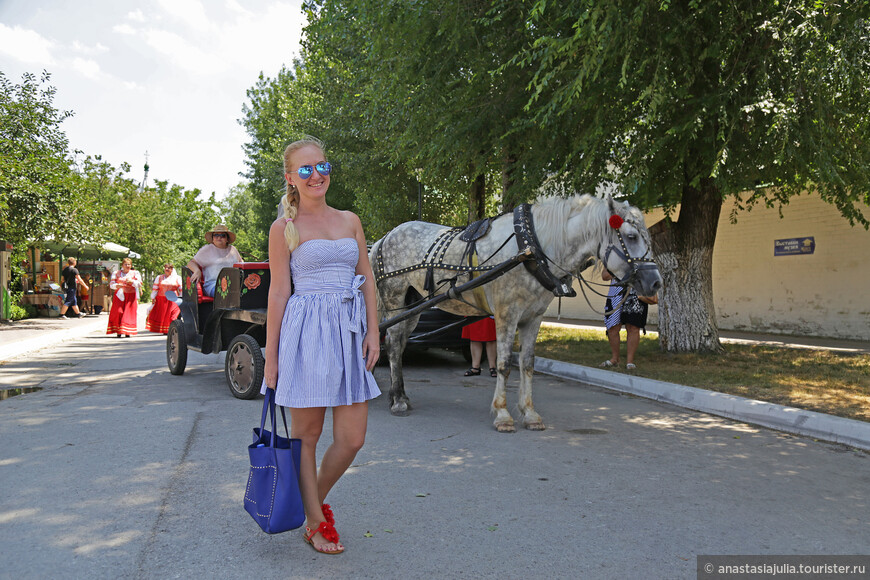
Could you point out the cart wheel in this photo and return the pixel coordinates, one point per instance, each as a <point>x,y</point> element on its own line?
<point>466,352</point>
<point>244,367</point>
<point>176,347</point>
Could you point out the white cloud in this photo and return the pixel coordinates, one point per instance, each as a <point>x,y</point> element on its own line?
<point>172,80</point>
<point>190,12</point>
<point>87,67</point>
<point>124,29</point>
<point>271,38</point>
<point>184,54</point>
<point>234,6</point>
<point>26,46</point>
<point>84,49</point>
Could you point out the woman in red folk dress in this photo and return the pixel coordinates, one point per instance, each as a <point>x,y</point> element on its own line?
<point>126,283</point>
<point>164,311</point>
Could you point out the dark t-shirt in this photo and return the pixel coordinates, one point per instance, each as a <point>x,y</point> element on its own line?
<point>69,276</point>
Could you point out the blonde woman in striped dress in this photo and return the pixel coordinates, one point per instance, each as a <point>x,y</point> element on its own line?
<point>322,342</point>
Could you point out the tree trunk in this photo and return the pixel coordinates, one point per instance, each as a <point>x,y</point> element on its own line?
<point>509,195</point>
<point>477,199</point>
<point>684,253</point>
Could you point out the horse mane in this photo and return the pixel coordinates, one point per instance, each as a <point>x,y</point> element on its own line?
<point>552,212</point>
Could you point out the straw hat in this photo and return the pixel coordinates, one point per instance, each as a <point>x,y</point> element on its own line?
<point>220,228</point>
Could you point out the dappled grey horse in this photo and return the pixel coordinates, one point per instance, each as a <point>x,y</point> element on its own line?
<point>419,260</point>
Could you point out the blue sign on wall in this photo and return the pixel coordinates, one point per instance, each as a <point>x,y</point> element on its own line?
<point>794,246</point>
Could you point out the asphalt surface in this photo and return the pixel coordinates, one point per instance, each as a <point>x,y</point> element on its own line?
<point>117,469</point>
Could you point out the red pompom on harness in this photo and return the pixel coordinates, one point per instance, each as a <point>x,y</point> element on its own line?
<point>615,221</point>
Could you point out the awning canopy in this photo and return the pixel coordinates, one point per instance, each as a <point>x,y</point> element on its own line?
<point>108,251</point>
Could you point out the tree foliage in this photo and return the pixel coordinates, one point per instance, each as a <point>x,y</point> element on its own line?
<point>39,194</point>
<point>764,96</point>
<point>241,217</point>
<point>164,223</point>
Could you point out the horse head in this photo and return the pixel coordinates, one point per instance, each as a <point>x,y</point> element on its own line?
<point>626,251</point>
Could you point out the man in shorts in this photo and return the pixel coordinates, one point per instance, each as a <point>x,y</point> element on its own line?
<point>71,279</point>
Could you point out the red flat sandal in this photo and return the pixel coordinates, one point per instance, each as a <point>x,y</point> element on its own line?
<point>329,534</point>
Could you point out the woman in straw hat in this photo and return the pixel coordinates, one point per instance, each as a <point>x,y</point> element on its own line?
<point>218,253</point>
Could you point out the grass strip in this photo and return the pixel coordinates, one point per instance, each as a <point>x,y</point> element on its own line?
<point>817,380</point>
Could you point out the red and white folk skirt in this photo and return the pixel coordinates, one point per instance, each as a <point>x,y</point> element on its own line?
<point>122,317</point>
<point>162,314</point>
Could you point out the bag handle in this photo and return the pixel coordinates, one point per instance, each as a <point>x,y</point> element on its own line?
<point>269,406</point>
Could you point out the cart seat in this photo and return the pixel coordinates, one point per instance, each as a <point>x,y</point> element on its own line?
<point>251,265</point>
<point>200,297</point>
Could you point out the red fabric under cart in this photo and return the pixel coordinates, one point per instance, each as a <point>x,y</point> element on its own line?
<point>480,331</point>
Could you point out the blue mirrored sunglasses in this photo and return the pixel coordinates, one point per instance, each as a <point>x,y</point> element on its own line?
<point>324,168</point>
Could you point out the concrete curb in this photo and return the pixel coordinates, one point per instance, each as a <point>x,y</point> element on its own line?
<point>45,339</point>
<point>789,419</point>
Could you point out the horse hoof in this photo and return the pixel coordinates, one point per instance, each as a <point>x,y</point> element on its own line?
<point>506,428</point>
<point>400,409</point>
<point>537,426</point>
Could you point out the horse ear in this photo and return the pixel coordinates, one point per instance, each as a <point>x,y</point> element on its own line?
<point>610,205</point>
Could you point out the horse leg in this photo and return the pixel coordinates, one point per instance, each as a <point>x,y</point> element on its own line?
<point>528,334</point>
<point>506,328</point>
<point>397,338</point>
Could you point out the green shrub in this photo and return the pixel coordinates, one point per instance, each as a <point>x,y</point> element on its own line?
<point>20,312</point>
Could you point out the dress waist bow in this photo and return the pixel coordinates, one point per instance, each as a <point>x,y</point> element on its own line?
<point>354,296</point>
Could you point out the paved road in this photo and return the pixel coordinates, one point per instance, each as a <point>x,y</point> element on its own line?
<point>116,469</point>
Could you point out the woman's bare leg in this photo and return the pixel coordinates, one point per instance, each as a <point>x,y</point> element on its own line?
<point>307,425</point>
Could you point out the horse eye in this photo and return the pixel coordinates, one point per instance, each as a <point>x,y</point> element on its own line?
<point>632,237</point>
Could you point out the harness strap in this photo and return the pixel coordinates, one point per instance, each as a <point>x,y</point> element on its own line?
<point>539,265</point>
<point>478,292</point>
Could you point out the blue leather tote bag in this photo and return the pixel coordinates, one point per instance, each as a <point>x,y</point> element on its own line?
<point>272,495</point>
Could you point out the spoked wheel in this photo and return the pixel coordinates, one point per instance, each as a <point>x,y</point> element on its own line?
<point>176,347</point>
<point>244,367</point>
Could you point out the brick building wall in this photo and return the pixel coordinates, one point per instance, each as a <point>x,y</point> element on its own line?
<point>824,293</point>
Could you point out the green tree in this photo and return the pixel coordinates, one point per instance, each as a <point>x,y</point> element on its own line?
<point>427,99</point>
<point>164,223</point>
<point>39,194</point>
<point>276,114</point>
<point>686,102</point>
<point>241,217</point>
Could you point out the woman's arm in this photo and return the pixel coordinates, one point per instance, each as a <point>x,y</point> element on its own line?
<point>371,348</point>
<point>196,271</point>
<point>279,293</point>
<point>200,260</point>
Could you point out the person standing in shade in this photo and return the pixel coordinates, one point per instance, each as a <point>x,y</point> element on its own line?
<point>71,280</point>
<point>482,336</point>
<point>322,341</point>
<point>631,312</point>
<point>125,283</point>
<point>86,295</point>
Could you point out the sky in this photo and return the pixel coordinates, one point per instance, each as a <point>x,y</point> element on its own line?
<point>164,76</point>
